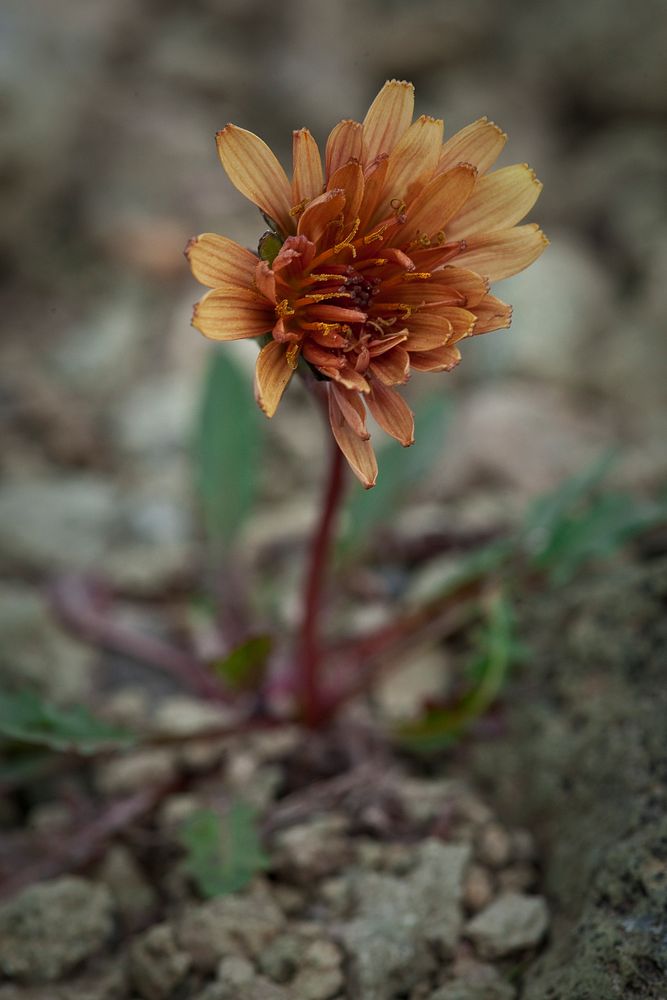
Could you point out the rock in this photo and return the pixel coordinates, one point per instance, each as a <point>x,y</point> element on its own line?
<point>235,972</point>
<point>478,888</point>
<point>280,959</point>
<point>136,770</point>
<point>320,975</point>
<point>313,850</point>
<point>494,846</point>
<point>238,925</point>
<point>50,928</point>
<point>36,652</point>
<point>517,878</point>
<point>400,921</point>
<point>133,896</point>
<point>402,693</point>
<point>157,963</point>
<point>513,922</point>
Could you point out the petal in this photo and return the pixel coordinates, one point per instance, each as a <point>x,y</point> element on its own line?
<point>392,413</point>
<point>434,206</point>
<point>296,253</point>
<point>352,409</point>
<point>265,280</point>
<point>307,180</point>
<point>442,359</point>
<point>462,321</point>
<point>346,376</point>
<point>272,373</point>
<point>499,201</point>
<point>480,144</point>
<point>413,294</point>
<point>344,144</point>
<point>492,314</point>
<point>339,314</point>
<point>388,117</point>
<point>320,213</point>
<point>414,159</point>
<point>504,252</point>
<point>255,172</point>
<point>470,285</point>
<point>231,313</point>
<point>358,453</point>
<point>350,179</point>
<point>377,347</point>
<point>215,260</point>
<point>392,367</point>
<point>428,331</point>
<point>371,205</point>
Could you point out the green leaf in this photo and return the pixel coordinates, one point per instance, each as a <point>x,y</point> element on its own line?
<point>244,667</point>
<point>399,469</point>
<point>269,246</point>
<point>227,449</point>
<point>25,718</point>
<point>497,649</point>
<point>223,854</point>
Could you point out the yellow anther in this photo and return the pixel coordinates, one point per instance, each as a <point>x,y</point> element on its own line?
<point>325,277</point>
<point>377,235</point>
<point>298,209</point>
<point>292,355</point>
<point>398,205</point>
<point>416,275</point>
<point>284,309</point>
<point>440,237</point>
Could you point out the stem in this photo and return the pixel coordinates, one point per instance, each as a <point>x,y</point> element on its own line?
<point>311,651</point>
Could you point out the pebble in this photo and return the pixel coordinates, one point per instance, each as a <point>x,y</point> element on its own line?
<point>137,770</point>
<point>157,963</point>
<point>49,928</point>
<point>494,846</point>
<point>511,923</point>
<point>478,889</point>
<point>312,850</point>
<point>133,896</point>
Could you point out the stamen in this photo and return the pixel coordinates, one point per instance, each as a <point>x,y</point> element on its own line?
<point>377,235</point>
<point>321,297</point>
<point>298,209</point>
<point>416,275</point>
<point>292,355</point>
<point>284,309</point>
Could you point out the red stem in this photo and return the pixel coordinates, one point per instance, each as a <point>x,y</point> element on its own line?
<point>311,651</point>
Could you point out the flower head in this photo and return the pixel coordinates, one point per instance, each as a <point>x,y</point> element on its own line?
<point>380,262</point>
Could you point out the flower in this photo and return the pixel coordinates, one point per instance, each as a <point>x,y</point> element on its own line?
<point>380,262</point>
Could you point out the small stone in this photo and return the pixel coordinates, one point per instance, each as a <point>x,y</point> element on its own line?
<point>235,971</point>
<point>157,963</point>
<point>475,981</point>
<point>513,922</point>
<point>312,850</point>
<point>320,976</point>
<point>280,959</point>
<point>132,894</point>
<point>478,888</point>
<point>49,928</point>
<point>494,846</point>
<point>290,900</point>
<point>230,925</point>
<point>335,894</point>
<point>134,771</point>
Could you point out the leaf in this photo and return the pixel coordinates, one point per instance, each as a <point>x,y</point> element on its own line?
<point>269,246</point>
<point>399,469</point>
<point>497,649</point>
<point>25,718</point>
<point>223,854</point>
<point>244,667</point>
<point>227,449</point>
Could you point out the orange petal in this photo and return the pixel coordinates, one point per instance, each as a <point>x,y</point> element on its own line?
<point>358,453</point>
<point>442,359</point>
<point>346,376</point>
<point>416,293</point>
<point>428,331</point>
<point>392,367</point>
<point>350,179</point>
<point>344,144</point>
<point>388,117</point>
<point>265,281</point>
<point>372,207</point>
<point>352,409</point>
<point>414,159</point>
<point>480,144</point>
<point>232,313</point>
<point>471,286</point>
<point>492,314</point>
<point>307,180</point>
<point>320,213</point>
<point>272,373</point>
<point>392,413</point>
<point>215,260</point>
<point>434,206</point>
<point>255,172</point>
<point>339,314</point>
<point>462,321</point>
<point>504,252</point>
<point>499,201</point>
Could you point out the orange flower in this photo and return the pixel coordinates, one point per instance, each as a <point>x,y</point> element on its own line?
<point>383,264</point>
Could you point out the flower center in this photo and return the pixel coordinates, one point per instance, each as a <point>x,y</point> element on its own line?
<point>360,289</point>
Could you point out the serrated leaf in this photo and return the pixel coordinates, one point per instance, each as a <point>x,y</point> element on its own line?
<point>497,649</point>
<point>244,667</point>
<point>223,854</point>
<point>400,468</point>
<point>26,718</point>
<point>227,449</point>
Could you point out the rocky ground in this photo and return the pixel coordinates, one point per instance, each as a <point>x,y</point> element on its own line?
<point>108,113</point>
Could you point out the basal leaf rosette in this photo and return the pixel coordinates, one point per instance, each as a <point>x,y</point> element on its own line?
<point>387,251</point>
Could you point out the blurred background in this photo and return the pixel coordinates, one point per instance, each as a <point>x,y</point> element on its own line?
<point>108,113</point>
